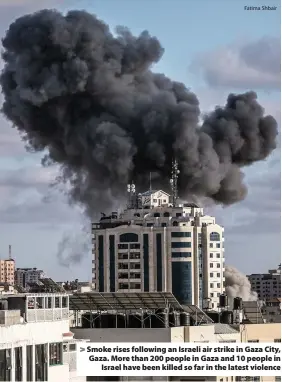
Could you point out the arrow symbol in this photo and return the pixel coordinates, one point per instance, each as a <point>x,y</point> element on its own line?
<point>82,349</point>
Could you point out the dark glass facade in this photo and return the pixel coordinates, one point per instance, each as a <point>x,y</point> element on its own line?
<point>128,238</point>
<point>159,262</point>
<point>101,262</point>
<point>182,281</point>
<point>181,254</point>
<point>146,262</point>
<point>180,234</point>
<point>200,270</point>
<point>112,264</point>
<point>181,244</point>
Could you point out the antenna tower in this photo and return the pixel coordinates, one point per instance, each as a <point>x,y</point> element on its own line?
<point>131,195</point>
<point>173,182</point>
<point>10,252</point>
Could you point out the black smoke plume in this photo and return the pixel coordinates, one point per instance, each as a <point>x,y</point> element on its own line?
<point>91,100</point>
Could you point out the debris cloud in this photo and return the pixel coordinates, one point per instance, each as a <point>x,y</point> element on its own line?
<point>91,101</point>
<point>238,285</point>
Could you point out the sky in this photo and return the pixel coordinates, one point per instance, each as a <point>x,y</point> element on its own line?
<point>213,47</point>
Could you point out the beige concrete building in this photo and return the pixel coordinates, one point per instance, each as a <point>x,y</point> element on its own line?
<point>156,246</point>
<point>7,271</point>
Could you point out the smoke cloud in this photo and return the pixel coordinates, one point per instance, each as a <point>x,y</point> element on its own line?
<point>91,101</point>
<point>238,285</point>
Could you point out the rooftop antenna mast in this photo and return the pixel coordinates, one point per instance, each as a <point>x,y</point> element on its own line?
<point>150,181</point>
<point>10,252</point>
<point>131,195</point>
<point>173,182</point>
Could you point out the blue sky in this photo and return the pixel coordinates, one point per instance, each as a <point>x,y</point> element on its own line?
<point>202,33</point>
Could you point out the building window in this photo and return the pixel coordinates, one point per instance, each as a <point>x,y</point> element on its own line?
<point>134,246</point>
<point>211,274</point>
<point>57,302</point>
<point>218,285</point>
<point>157,215</point>
<point>181,254</point>
<point>166,214</point>
<point>211,255</point>
<point>218,255</point>
<point>180,234</point>
<point>135,275</point>
<point>211,245</point>
<point>123,286</point>
<point>64,302</point>
<point>128,238</point>
<point>18,363</point>
<point>135,286</point>
<point>181,244</point>
<point>214,236</point>
<point>123,275</point>
<point>5,365</point>
<point>134,255</point>
<point>163,224</point>
<point>134,266</point>
<point>217,245</point>
<point>211,265</point>
<point>55,353</point>
<point>218,265</point>
<point>253,341</point>
<point>211,294</point>
<point>123,266</point>
<point>277,340</point>
<point>29,363</point>
<point>122,246</point>
<point>150,224</point>
<point>122,256</point>
<point>218,275</point>
<point>211,285</point>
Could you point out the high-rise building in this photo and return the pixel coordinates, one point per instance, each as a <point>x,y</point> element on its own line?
<point>7,271</point>
<point>158,246</point>
<point>24,276</point>
<point>267,285</point>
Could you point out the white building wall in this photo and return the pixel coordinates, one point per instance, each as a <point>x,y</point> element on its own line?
<point>31,334</point>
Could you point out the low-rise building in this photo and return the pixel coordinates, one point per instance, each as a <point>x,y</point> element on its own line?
<point>35,341</point>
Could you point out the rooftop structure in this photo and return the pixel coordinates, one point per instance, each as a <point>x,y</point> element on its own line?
<point>34,337</point>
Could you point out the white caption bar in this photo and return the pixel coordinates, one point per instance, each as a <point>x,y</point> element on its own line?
<point>179,359</point>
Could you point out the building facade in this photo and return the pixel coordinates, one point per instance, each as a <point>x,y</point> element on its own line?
<point>156,246</point>
<point>7,271</point>
<point>267,285</point>
<point>35,341</point>
<point>24,276</point>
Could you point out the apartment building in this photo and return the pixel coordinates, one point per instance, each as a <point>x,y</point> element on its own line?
<point>24,276</point>
<point>267,285</point>
<point>35,341</point>
<point>158,246</point>
<point>7,271</point>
